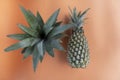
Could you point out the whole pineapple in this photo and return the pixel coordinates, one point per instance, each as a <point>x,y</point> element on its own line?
<point>39,36</point>
<point>78,52</point>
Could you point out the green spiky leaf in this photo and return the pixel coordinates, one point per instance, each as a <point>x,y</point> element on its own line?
<point>82,16</point>
<point>18,36</point>
<point>60,29</point>
<point>38,52</point>
<point>41,57</point>
<point>28,51</point>
<point>31,19</point>
<point>51,21</point>
<point>75,15</point>
<point>35,41</point>
<point>56,44</point>
<point>58,23</point>
<point>22,44</point>
<point>40,48</point>
<point>58,36</point>
<point>53,44</point>
<point>28,30</point>
<point>77,18</point>
<point>49,48</point>
<point>35,57</point>
<point>40,20</point>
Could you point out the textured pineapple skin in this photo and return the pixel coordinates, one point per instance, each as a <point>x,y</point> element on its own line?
<point>78,52</point>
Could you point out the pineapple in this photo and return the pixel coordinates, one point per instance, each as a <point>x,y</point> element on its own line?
<point>78,52</point>
<point>39,36</point>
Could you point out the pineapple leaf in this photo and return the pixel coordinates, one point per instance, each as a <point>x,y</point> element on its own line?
<point>35,58</point>
<point>38,53</point>
<point>56,44</point>
<point>31,19</point>
<point>18,36</point>
<point>35,21</point>
<point>40,20</point>
<point>60,35</point>
<point>77,18</point>
<point>28,30</point>
<point>50,51</point>
<point>41,57</point>
<point>22,44</point>
<point>49,48</point>
<point>35,41</point>
<point>75,14</point>
<point>40,48</point>
<point>60,29</point>
<point>80,23</point>
<point>82,16</point>
<point>57,24</point>
<point>51,21</point>
<point>28,51</point>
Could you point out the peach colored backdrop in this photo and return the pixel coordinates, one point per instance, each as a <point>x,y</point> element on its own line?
<point>102,30</point>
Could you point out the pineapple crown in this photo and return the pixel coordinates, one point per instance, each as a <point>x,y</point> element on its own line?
<point>39,36</point>
<point>77,18</point>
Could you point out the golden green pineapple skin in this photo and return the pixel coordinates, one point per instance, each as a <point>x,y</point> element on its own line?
<point>78,52</point>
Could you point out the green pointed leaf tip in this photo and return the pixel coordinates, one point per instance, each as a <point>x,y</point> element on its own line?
<point>40,47</point>
<point>77,18</point>
<point>22,44</point>
<point>84,13</point>
<point>18,36</point>
<point>60,29</point>
<point>41,57</point>
<point>74,12</point>
<point>53,44</point>
<point>75,15</point>
<point>59,36</point>
<point>49,48</point>
<point>37,53</point>
<point>40,20</point>
<point>31,19</point>
<point>35,58</point>
<point>56,44</point>
<point>28,30</point>
<point>28,51</point>
<point>51,21</point>
<point>57,23</point>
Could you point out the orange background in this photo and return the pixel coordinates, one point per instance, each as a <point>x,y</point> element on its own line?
<point>102,30</point>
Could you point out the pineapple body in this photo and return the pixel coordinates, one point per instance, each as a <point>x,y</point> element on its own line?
<point>78,52</point>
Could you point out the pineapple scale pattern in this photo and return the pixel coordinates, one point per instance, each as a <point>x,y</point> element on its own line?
<point>78,52</point>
